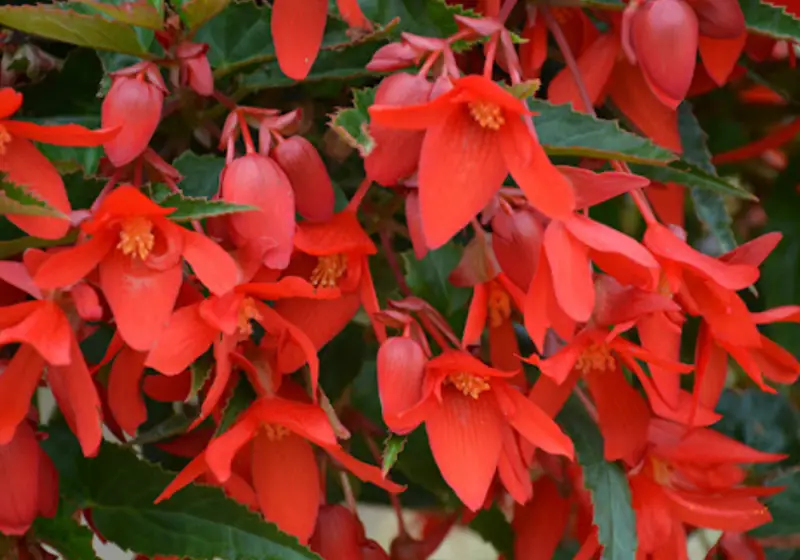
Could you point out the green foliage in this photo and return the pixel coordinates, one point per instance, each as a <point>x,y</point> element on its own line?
<point>767,19</point>
<point>429,278</point>
<point>189,208</point>
<point>72,540</point>
<point>195,13</point>
<point>492,526</point>
<point>19,201</point>
<point>392,448</point>
<point>200,174</point>
<point>353,124</point>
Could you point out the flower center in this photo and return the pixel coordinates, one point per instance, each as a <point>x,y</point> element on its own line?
<point>488,115</point>
<point>469,384</point>
<point>5,138</point>
<point>328,270</point>
<point>275,432</point>
<point>136,237</point>
<point>247,312</point>
<point>662,472</point>
<point>499,305</point>
<point>596,358</point>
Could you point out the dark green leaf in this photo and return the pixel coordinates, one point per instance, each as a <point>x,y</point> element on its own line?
<point>140,13</point>
<point>17,200</point>
<point>196,12</point>
<point>606,482</point>
<point>197,522</point>
<point>352,124</point>
<point>242,396</point>
<point>17,246</point>
<point>690,176</point>
<point>709,206</point>
<point>392,448</point>
<point>187,208</point>
<point>767,19</point>
<point>69,159</point>
<point>201,371</point>
<point>783,507</point>
<point>171,427</point>
<point>493,527</point>
<point>432,18</point>
<point>72,540</point>
<point>70,26</point>
<point>429,278</point>
<point>200,173</point>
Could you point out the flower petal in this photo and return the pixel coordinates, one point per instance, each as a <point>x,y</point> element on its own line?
<point>401,367</point>
<point>721,55</point>
<point>67,267</point>
<point>593,188</point>
<point>297,30</point>
<point>61,135</point>
<point>595,65</point>
<point>313,190</point>
<point>47,330</point>
<point>570,271</point>
<point>135,106</point>
<point>184,339</point>
<point>20,462</point>
<point>214,267</point>
<point>125,390</point>
<point>18,383</point>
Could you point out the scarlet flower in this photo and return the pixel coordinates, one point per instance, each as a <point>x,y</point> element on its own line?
<point>46,337</point>
<point>577,28</point>
<point>298,27</point>
<point>475,134</point>
<point>29,486</point>
<point>539,525</point>
<point>284,471</point>
<point>24,165</point>
<point>139,255</point>
<point>313,190</point>
<point>694,478</point>
<point>134,104</point>
<point>339,535</point>
<point>470,413</point>
<point>331,254</point>
<point>517,242</point>
<point>258,181</point>
<point>195,71</point>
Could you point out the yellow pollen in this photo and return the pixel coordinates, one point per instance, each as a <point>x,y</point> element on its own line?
<point>499,305</point>
<point>275,432</point>
<point>469,384</point>
<point>662,473</point>
<point>596,358</point>
<point>247,311</point>
<point>488,115</point>
<point>5,138</point>
<point>136,237</point>
<point>328,270</point>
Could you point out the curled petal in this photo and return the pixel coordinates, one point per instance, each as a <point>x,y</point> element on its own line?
<point>401,366</point>
<point>134,106</point>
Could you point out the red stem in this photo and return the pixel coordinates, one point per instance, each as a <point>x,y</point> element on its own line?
<point>361,192</point>
<point>246,136</point>
<point>775,139</point>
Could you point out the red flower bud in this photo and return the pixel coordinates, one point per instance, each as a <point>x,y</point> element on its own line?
<point>313,191</point>
<point>401,366</point>
<point>517,241</point>
<point>719,19</point>
<point>391,57</point>
<point>258,181</point>
<point>338,534</point>
<point>135,105</point>
<point>396,152</point>
<point>664,34</point>
<point>195,69</point>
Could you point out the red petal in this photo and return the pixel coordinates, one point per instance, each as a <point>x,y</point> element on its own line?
<point>61,135</point>
<point>141,299</point>
<point>721,19</point>
<point>551,396</point>
<point>47,330</point>
<point>513,472</point>
<point>313,190</point>
<point>721,55</point>
<point>190,472</point>
<point>777,363</point>
<point>184,339</point>
<point>18,383</point>
<point>135,105</point>
<point>297,30</point>
<point>214,267</point>
<point>286,481</point>
<point>593,188</point>
<point>718,512</point>
<point>517,241</point>
<point>595,64</point>
<point>711,369</point>
<point>222,375</point>
<point>125,201</point>
<point>364,471</point>
<point>755,251</point>
<point>540,524</point>
<point>466,431</point>
<point>19,486</point>
<point>125,390</point>
<point>662,337</point>
<point>338,534</point>
<point>702,446</point>
<point>341,234</point>
<point>401,366</point>
<point>67,267</point>
<point>10,102</point>
<point>222,449</point>
<point>414,222</point>
<point>570,271</point>
<point>25,166</point>
<point>352,14</point>
<point>460,169</point>
<point>414,117</point>
<point>306,420</point>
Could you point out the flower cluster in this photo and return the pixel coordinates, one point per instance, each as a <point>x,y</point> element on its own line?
<point>562,306</point>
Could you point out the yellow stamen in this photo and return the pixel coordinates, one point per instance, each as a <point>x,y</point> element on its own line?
<point>499,305</point>
<point>275,432</point>
<point>247,312</point>
<point>662,472</point>
<point>328,270</point>
<point>5,138</point>
<point>136,237</point>
<point>486,114</point>
<point>596,358</point>
<point>469,384</point>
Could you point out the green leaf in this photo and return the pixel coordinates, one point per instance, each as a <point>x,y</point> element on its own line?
<point>563,131</point>
<point>17,246</point>
<point>690,176</point>
<point>170,427</point>
<point>352,123</point>
<point>783,507</point>
<point>69,26</point>
<point>69,159</point>
<point>606,482</point>
<point>767,19</point>
<point>195,13</point>
<point>72,540</point>
<point>19,201</point>
<point>243,395</point>
<point>198,522</point>
<point>709,206</point>
<point>200,371</point>
<point>200,173</point>
<point>392,448</point>
<point>432,18</point>
<point>139,13</point>
<point>493,527</point>
<point>189,208</point>
<point>429,278</point>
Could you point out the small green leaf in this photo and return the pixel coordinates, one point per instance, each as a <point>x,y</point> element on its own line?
<point>201,371</point>
<point>69,26</point>
<point>429,278</point>
<point>606,482</point>
<point>767,19</point>
<point>189,208</point>
<point>69,159</point>
<point>198,522</point>
<point>196,12</point>
<point>170,427</point>
<point>243,395</point>
<point>17,246</point>
<point>353,124</point>
<point>708,205</point>
<point>493,527</point>
<point>200,173</point>
<point>18,201</point>
<point>71,539</point>
<point>140,13</point>
<point>392,448</point>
